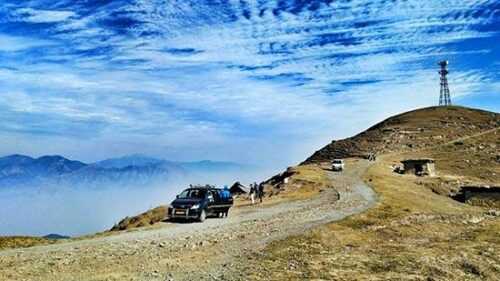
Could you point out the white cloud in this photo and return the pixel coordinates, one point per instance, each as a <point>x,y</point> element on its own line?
<point>42,16</point>
<point>16,43</point>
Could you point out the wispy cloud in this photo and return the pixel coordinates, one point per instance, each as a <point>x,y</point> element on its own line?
<point>17,43</point>
<point>42,16</point>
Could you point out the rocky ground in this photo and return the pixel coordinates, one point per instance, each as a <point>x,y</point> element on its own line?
<point>214,250</point>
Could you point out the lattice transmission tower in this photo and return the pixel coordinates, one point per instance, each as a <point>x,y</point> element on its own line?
<point>444,93</point>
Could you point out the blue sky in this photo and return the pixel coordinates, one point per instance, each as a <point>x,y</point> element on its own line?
<point>263,82</point>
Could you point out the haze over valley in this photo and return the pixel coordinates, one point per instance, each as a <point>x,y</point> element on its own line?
<point>52,194</point>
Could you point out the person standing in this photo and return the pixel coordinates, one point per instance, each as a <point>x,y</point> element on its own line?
<point>226,194</point>
<point>226,197</point>
<point>261,192</point>
<point>253,190</point>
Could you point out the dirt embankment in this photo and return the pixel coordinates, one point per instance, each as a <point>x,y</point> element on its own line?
<point>147,218</point>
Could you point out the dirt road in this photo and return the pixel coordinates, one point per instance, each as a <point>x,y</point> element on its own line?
<point>213,250</point>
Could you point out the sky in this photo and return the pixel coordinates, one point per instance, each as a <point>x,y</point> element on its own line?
<point>261,82</point>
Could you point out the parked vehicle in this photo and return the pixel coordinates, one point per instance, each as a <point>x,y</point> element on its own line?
<point>199,203</point>
<point>338,165</point>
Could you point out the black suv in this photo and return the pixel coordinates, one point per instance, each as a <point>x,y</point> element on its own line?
<point>200,202</point>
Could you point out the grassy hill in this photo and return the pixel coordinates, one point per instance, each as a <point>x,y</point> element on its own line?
<point>8,242</point>
<point>410,131</point>
<point>416,231</point>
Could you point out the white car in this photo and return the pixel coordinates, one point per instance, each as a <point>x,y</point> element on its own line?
<point>338,165</point>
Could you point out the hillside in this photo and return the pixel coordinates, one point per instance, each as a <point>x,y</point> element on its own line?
<point>416,231</point>
<point>9,242</point>
<point>410,131</point>
<point>147,218</point>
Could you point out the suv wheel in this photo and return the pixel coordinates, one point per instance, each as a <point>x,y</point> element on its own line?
<point>203,216</point>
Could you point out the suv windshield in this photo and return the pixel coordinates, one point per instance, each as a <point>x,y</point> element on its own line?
<point>193,194</point>
<point>337,161</point>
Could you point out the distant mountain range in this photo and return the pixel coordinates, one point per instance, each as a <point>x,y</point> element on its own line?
<point>133,170</point>
<point>54,236</point>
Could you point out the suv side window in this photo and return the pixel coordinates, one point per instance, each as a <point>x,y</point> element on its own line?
<point>214,195</point>
<point>210,196</point>
<point>201,193</point>
<point>217,196</point>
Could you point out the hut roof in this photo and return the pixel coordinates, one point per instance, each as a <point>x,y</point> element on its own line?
<point>237,187</point>
<point>419,160</point>
<point>481,188</point>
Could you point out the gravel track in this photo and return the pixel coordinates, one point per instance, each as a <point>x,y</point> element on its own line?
<point>211,250</point>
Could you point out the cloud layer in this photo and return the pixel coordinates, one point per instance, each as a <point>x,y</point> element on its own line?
<point>263,81</point>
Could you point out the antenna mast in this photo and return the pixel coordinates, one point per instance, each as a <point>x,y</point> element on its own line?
<point>444,93</point>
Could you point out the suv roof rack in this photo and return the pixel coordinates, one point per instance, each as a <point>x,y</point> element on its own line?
<point>206,186</point>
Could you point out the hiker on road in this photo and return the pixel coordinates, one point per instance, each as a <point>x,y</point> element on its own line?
<point>253,190</point>
<point>261,192</point>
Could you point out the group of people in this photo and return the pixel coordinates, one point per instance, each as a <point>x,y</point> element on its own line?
<point>256,190</point>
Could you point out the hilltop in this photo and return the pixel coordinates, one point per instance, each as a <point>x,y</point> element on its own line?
<point>463,142</point>
<point>410,131</point>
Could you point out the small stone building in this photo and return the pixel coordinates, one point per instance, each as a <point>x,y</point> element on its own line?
<point>419,167</point>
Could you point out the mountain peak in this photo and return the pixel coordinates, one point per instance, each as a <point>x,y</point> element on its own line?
<point>57,158</point>
<point>129,160</point>
<point>15,159</point>
<point>416,129</point>
<point>55,236</point>
<point>51,158</point>
<point>16,156</point>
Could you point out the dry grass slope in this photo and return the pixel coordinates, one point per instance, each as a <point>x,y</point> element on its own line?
<point>147,218</point>
<point>10,242</point>
<point>414,130</point>
<point>303,181</point>
<point>414,232</point>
